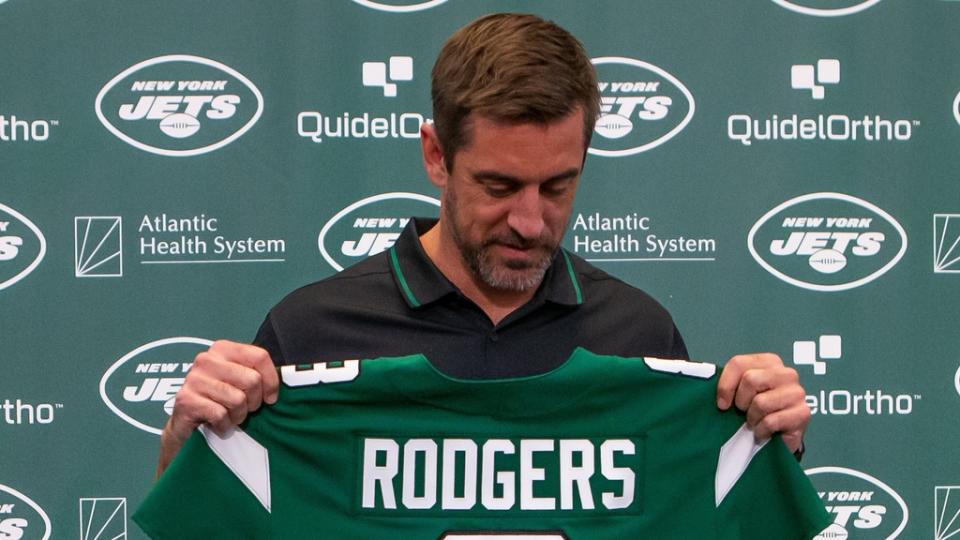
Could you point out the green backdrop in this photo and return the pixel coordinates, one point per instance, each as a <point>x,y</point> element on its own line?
<point>782,175</point>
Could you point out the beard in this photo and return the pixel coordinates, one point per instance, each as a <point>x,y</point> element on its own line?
<point>508,275</point>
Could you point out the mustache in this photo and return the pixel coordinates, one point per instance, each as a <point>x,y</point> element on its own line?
<point>514,240</point>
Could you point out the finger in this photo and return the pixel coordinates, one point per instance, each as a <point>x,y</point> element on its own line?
<point>733,371</point>
<point>781,420</point>
<point>192,409</point>
<point>239,376</point>
<point>231,399</point>
<point>774,400</point>
<point>756,381</point>
<point>752,382</point>
<point>255,358</point>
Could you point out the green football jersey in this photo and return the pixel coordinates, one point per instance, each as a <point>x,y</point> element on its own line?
<point>601,447</point>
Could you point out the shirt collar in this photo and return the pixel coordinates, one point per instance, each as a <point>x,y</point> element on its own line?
<point>421,283</point>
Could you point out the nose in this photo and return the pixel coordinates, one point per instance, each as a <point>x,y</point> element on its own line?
<point>526,213</point>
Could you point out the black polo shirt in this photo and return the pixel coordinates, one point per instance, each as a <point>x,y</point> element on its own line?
<point>398,303</point>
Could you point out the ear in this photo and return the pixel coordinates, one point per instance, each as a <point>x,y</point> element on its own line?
<point>433,161</point>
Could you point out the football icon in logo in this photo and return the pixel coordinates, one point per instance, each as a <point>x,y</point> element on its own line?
<point>833,532</point>
<point>179,125</point>
<point>614,126</point>
<point>828,261</point>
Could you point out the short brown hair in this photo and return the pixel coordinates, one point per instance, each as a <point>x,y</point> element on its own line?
<point>510,67</point>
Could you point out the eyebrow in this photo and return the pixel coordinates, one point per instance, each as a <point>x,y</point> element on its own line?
<point>494,175</point>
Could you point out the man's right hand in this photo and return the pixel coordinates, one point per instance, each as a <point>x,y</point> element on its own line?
<point>226,382</point>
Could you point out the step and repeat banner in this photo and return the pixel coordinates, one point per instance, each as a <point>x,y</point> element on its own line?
<point>783,175</point>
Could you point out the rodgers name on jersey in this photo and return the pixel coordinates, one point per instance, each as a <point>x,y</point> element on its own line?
<point>499,474</point>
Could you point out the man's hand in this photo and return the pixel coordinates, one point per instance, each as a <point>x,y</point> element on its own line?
<point>770,394</point>
<point>225,383</point>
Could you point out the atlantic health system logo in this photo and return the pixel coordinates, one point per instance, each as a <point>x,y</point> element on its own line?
<point>946,243</point>
<point>827,242</point>
<point>179,105</point>
<point>103,518</point>
<point>946,512</point>
<point>22,246</point>
<point>98,246</point>
<point>641,107</point>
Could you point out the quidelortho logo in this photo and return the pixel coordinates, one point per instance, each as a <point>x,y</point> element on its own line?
<point>17,129</point>
<point>946,512</point>
<point>179,105</point>
<point>827,242</point>
<point>385,75</point>
<point>400,6</point>
<point>634,237</point>
<point>863,506</point>
<point>370,226</point>
<point>830,401</point>
<point>320,126</point>
<point>141,386</point>
<point>946,243</point>
<point>827,8</point>
<point>97,246</point>
<point>17,412</point>
<point>823,123</point>
<point>103,518</point>
<point>21,518</point>
<point>814,77</point>
<point>22,246</point>
<point>814,353</point>
<point>641,107</point>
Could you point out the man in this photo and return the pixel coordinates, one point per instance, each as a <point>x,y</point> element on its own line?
<point>485,292</point>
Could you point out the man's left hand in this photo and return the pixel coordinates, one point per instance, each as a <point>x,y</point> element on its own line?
<point>769,392</point>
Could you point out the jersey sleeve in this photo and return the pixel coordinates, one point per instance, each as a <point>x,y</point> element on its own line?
<point>267,339</point>
<point>199,497</point>
<point>773,498</point>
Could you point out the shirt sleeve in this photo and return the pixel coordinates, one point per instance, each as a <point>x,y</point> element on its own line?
<point>679,349</point>
<point>267,339</point>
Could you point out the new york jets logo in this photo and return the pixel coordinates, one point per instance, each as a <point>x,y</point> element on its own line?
<point>863,506</point>
<point>142,385</point>
<point>21,517</point>
<point>827,8</point>
<point>370,226</point>
<point>399,6</point>
<point>22,246</point>
<point>827,241</point>
<point>179,105</point>
<point>641,107</point>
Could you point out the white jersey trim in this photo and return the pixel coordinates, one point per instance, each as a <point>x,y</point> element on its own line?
<point>245,457</point>
<point>735,457</point>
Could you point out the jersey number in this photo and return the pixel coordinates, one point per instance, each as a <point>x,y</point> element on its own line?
<point>321,372</point>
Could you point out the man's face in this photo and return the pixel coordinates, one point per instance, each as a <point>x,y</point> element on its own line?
<point>509,196</point>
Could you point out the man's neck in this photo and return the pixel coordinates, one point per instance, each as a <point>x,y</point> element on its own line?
<point>496,303</point>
